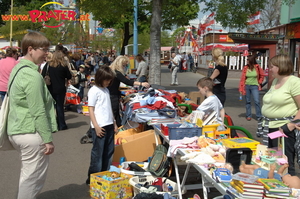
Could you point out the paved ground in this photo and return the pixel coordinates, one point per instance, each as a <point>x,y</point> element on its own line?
<point>69,164</point>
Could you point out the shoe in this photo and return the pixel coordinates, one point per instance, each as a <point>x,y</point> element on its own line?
<point>248,118</point>
<point>172,84</point>
<point>63,128</point>
<point>175,84</point>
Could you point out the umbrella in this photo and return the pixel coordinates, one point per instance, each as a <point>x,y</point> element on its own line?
<point>6,47</point>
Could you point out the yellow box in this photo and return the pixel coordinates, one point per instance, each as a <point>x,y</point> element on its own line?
<point>240,143</point>
<point>103,188</point>
<point>211,127</point>
<point>222,134</point>
<point>85,110</point>
<point>210,134</point>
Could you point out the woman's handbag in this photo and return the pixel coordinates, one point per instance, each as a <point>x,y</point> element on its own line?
<point>74,73</point>
<point>4,141</point>
<point>47,77</point>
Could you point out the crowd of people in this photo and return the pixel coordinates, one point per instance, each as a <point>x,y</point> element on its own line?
<point>22,76</point>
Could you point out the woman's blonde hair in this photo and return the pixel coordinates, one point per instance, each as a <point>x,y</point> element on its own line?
<point>58,59</point>
<point>119,63</point>
<point>217,54</point>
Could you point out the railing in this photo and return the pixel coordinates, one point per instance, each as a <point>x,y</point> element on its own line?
<point>237,62</point>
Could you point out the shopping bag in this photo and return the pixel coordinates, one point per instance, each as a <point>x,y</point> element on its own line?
<point>72,98</point>
<point>4,141</point>
<point>72,89</point>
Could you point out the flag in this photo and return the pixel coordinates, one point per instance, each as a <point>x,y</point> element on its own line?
<point>209,20</point>
<point>254,19</point>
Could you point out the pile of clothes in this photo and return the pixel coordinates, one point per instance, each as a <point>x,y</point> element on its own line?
<point>142,107</point>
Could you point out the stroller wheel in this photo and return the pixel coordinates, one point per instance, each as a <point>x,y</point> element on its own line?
<point>84,140</point>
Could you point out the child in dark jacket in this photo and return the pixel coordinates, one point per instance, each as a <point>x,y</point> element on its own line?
<point>81,82</point>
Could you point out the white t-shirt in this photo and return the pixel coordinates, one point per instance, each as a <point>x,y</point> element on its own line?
<point>100,99</point>
<point>210,104</point>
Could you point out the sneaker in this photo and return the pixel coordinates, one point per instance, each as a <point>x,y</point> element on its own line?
<point>175,84</point>
<point>172,84</point>
<point>248,118</point>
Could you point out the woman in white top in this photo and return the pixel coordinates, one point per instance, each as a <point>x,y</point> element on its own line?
<point>142,70</point>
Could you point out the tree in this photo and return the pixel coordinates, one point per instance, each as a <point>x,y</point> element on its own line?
<point>120,14</point>
<point>234,14</point>
<point>270,15</point>
<point>155,32</point>
<point>19,27</point>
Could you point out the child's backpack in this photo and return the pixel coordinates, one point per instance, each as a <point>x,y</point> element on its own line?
<point>160,164</point>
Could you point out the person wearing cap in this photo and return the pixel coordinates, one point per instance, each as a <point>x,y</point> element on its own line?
<point>81,83</point>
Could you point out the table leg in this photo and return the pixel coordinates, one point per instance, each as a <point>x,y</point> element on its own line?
<point>177,178</point>
<point>205,195</point>
<point>187,169</point>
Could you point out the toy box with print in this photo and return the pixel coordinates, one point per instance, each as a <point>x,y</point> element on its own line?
<point>119,187</point>
<point>240,143</point>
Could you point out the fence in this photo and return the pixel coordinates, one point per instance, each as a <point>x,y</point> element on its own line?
<point>238,62</point>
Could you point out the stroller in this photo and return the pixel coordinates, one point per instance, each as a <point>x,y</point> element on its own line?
<point>87,138</point>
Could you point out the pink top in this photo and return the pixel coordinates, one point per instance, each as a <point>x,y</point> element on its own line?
<point>6,65</point>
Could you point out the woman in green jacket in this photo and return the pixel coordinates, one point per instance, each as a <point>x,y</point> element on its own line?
<point>31,118</point>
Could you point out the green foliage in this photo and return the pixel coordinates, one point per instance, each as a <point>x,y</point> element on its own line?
<point>179,13</point>
<point>19,27</point>
<point>234,13</point>
<point>120,14</point>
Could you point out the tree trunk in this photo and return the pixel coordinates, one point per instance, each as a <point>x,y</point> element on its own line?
<point>126,37</point>
<point>155,32</point>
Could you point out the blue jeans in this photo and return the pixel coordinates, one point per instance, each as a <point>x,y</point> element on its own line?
<point>252,90</point>
<point>102,151</point>
<point>2,94</point>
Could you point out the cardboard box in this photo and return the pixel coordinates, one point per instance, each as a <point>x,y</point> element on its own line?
<point>104,188</point>
<point>139,147</point>
<point>196,97</point>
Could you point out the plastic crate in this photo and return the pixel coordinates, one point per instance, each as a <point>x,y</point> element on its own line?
<point>144,165</point>
<point>138,181</point>
<point>176,133</point>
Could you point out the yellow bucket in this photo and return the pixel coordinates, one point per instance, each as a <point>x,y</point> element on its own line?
<point>85,110</point>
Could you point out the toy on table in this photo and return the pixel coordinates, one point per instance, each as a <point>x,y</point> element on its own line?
<point>115,172</point>
<point>265,156</point>
<point>287,179</point>
<point>222,175</point>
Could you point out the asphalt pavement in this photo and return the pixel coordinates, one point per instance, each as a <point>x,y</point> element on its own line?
<point>70,161</point>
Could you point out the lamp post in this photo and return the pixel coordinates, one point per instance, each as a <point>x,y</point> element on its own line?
<point>11,14</point>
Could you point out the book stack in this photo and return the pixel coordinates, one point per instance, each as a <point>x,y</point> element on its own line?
<point>245,186</point>
<point>254,190</point>
<point>275,188</point>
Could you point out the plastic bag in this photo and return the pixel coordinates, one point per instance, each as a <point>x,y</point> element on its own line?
<point>72,98</point>
<point>72,89</point>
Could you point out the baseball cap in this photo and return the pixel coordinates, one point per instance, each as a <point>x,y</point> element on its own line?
<point>82,66</point>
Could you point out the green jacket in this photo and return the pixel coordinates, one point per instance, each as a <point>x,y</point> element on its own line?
<point>31,106</point>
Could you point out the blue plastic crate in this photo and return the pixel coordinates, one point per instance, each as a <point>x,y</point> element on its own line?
<point>176,133</point>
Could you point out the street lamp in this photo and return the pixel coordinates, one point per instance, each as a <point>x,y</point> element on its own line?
<point>11,15</point>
